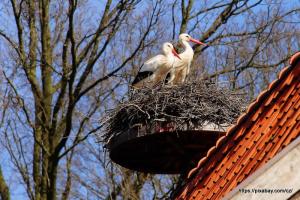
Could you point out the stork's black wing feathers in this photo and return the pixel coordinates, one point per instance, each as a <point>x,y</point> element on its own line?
<point>141,75</point>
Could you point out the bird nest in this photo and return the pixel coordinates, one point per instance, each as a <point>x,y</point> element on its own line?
<point>184,107</point>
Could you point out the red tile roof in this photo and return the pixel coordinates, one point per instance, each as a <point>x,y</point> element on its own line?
<point>271,122</point>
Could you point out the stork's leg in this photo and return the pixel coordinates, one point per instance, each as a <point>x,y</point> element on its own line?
<point>183,75</point>
<point>160,76</point>
<point>172,77</point>
<point>188,69</point>
<point>186,74</point>
<point>178,76</point>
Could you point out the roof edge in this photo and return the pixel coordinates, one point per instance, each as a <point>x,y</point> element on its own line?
<point>295,58</point>
<point>293,62</point>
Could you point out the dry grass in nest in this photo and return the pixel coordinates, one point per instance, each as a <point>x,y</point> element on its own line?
<point>188,106</point>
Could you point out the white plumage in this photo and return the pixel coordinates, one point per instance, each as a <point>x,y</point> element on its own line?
<point>156,69</point>
<point>181,67</point>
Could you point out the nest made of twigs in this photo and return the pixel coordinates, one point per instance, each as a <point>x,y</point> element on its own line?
<point>188,106</point>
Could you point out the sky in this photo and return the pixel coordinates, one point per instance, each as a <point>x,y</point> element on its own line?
<point>93,14</point>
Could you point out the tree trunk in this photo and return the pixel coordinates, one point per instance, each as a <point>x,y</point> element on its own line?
<point>4,191</point>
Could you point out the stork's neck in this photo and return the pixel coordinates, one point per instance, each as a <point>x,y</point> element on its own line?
<point>168,54</point>
<point>187,48</point>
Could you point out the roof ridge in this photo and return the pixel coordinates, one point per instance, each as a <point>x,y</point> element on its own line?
<point>295,58</point>
<point>293,61</point>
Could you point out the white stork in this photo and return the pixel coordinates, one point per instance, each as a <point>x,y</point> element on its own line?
<point>182,66</point>
<point>156,69</point>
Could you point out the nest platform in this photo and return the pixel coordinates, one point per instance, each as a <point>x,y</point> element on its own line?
<point>166,130</point>
<point>162,152</point>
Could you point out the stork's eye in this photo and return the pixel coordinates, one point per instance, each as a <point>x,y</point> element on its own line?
<point>187,36</point>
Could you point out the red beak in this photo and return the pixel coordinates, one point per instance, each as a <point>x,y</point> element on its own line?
<point>175,53</point>
<point>197,42</point>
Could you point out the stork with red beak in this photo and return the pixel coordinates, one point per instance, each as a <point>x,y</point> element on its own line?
<point>181,67</point>
<point>156,69</point>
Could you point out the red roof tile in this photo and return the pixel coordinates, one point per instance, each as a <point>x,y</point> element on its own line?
<point>270,123</point>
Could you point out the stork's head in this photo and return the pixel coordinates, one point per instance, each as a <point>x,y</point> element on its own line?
<point>186,37</point>
<point>168,48</point>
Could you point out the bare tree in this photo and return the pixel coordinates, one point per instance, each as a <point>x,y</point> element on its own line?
<point>247,39</point>
<point>4,191</point>
<point>57,60</point>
